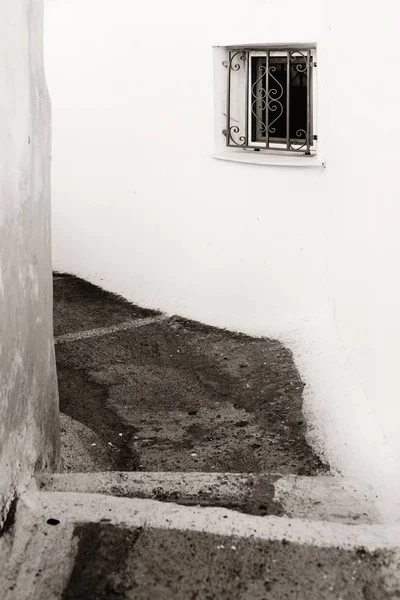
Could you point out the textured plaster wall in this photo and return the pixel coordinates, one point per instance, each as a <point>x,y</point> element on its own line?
<point>363,242</point>
<point>29,432</point>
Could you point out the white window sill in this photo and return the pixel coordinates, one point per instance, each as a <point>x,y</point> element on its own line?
<point>270,158</point>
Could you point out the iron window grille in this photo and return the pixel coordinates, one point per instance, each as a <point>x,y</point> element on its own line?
<point>270,99</point>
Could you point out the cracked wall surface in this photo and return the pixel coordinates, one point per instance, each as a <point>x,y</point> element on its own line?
<point>29,430</point>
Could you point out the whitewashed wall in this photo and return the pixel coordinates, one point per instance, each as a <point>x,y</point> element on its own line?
<point>308,255</point>
<point>364,210</point>
<point>29,425</point>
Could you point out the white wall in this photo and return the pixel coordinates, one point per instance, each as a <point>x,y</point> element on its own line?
<point>364,210</point>
<point>29,431</point>
<point>161,222</point>
<point>307,255</point>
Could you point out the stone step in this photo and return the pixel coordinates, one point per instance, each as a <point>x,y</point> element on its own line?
<point>332,499</point>
<point>89,546</point>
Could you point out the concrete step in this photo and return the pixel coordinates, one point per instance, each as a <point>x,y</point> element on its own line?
<point>74,546</point>
<point>332,499</point>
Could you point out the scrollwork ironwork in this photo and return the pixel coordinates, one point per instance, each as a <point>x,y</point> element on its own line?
<point>272,103</point>
<point>236,66</point>
<point>274,97</point>
<point>302,66</point>
<point>279,83</point>
<point>236,129</point>
<point>233,131</point>
<point>300,133</point>
<point>260,98</point>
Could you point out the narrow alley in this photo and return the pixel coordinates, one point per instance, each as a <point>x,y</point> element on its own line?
<point>187,473</point>
<point>199,301</point>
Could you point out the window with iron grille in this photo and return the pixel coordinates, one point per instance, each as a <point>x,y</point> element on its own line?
<point>271,99</point>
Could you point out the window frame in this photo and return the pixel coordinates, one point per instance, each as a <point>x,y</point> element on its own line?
<point>283,51</point>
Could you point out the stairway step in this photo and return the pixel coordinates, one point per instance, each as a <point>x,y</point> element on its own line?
<point>332,499</point>
<point>90,546</point>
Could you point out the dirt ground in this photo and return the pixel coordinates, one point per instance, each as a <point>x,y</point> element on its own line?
<point>173,395</point>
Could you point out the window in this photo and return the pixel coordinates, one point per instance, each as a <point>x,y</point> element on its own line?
<point>271,99</point>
